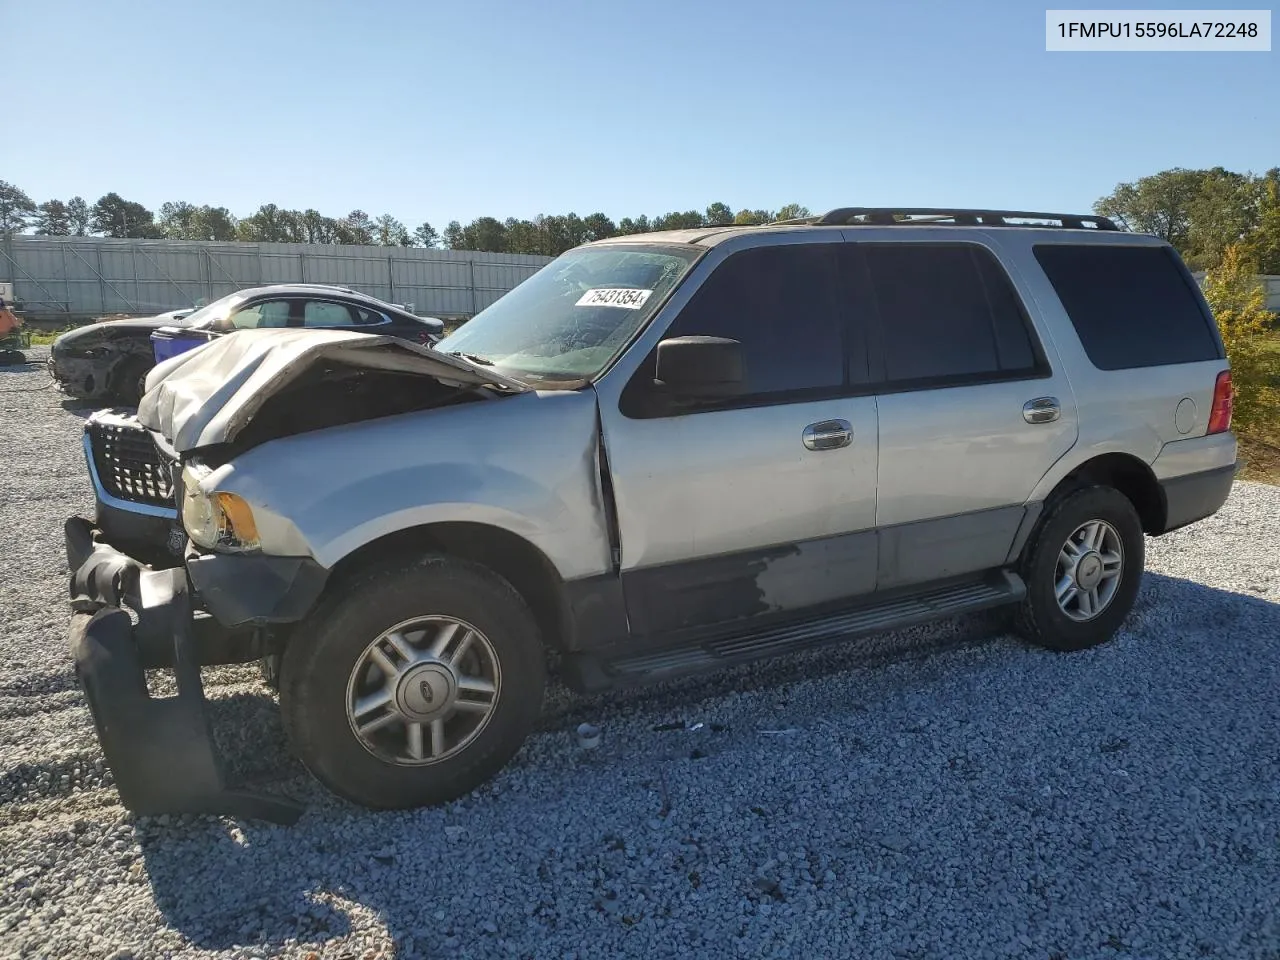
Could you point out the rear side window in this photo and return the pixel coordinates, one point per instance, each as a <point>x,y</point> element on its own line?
<point>948,314</point>
<point>1131,306</point>
<point>322,313</point>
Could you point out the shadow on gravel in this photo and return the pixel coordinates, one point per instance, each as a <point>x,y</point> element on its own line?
<point>80,408</point>
<point>227,884</point>
<point>29,366</point>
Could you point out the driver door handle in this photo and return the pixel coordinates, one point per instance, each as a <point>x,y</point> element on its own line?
<point>828,435</point>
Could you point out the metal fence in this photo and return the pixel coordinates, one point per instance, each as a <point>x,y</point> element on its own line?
<point>78,277</point>
<point>1270,289</point>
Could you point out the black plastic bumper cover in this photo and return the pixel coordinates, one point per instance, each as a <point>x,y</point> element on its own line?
<point>1196,495</point>
<point>252,589</point>
<point>160,749</point>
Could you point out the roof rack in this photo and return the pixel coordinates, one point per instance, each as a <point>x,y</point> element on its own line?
<point>893,216</point>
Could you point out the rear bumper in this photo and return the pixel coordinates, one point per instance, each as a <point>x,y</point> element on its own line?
<point>1195,496</point>
<point>160,749</point>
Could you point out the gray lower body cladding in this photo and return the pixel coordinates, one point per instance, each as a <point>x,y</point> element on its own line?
<point>1196,496</point>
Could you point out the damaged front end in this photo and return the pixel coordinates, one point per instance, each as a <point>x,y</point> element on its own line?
<point>217,608</point>
<point>160,749</point>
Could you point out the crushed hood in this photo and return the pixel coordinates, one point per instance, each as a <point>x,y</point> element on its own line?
<point>208,395</point>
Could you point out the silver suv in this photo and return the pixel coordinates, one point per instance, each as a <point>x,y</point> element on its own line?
<point>661,454</point>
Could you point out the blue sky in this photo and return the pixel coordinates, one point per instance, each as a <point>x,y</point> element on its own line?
<point>451,110</point>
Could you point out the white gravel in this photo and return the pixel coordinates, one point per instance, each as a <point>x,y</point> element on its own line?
<point>942,792</point>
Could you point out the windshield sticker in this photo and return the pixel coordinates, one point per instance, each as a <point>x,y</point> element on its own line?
<point>627,297</point>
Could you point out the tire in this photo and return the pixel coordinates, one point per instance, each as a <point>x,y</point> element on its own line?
<point>319,682</point>
<point>127,381</point>
<point>1040,618</point>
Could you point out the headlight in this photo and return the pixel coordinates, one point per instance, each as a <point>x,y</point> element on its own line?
<point>216,521</point>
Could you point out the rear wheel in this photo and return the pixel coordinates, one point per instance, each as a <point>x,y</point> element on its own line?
<point>1082,570</point>
<point>414,684</point>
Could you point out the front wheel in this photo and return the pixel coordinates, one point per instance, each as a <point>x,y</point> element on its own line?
<point>1082,570</point>
<point>129,381</point>
<point>414,684</point>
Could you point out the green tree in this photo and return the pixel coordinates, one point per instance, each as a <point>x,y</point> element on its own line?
<point>356,227</point>
<point>79,215</point>
<point>317,228</point>
<point>554,233</point>
<point>748,218</point>
<point>1239,305</point>
<point>688,220</point>
<point>213,223</point>
<point>792,211</point>
<point>53,219</point>
<point>1222,213</point>
<point>1160,204</point>
<point>17,210</point>
<point>523,236</point>
<point>115,216</point>
<point>599,227</point>
<point>627,226</point>
<point>482,233</point>
<point>719,215</point>
<point>390,232</point>
<point>1263,243</point>
<point>453,235</point>
<point>178,220</point>
<point>269,224</point>
<point>426,236</point>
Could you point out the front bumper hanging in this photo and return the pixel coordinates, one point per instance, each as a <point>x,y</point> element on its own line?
<point>160,749</point>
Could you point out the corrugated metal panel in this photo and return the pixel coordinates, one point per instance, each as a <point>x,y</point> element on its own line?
<point>87,276</point>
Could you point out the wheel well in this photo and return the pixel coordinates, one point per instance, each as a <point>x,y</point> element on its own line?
<point>513,558</point>
<point>1131,477</point>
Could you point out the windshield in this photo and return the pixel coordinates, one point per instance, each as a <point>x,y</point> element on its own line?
<point>213,312</point>
<point>572,317</point>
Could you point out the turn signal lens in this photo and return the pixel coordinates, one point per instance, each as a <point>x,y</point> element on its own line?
<point>237,527</point>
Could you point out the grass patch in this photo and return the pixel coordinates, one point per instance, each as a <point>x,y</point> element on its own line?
<point>43,338</point>
<point>1260,458</point>
<point>1260,445</point>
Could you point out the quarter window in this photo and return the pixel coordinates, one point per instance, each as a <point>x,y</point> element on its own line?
<point>1131,306</point>
<point>365,317</point>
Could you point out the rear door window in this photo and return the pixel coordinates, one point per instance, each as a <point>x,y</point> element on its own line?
<point>1131,306</point>
<point>948,315</point>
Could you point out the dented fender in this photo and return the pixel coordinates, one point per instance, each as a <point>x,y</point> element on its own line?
<point>528,464</point>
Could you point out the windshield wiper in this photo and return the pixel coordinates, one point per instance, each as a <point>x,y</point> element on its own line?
<point>473,357</point>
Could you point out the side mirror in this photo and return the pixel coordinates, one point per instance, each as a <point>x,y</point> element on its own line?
<point>700,367</point>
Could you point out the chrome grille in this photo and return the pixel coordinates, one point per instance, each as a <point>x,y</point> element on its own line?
<point>129,465</point>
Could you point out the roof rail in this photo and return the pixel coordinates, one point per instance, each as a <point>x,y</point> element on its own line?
<point>891,216</point>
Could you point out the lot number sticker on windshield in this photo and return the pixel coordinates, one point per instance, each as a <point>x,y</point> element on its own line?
<point>627,297</point>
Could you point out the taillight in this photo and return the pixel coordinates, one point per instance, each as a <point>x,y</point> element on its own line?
<point>1220,412</point>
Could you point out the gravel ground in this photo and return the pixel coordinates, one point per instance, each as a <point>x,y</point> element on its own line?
<point>940,792</point>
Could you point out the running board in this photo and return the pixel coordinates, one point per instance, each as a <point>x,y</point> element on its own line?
<point>595,672</point>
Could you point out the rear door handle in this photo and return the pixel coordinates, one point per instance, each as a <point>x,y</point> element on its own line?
<point>1041,410</point>
<point>828,435</point>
